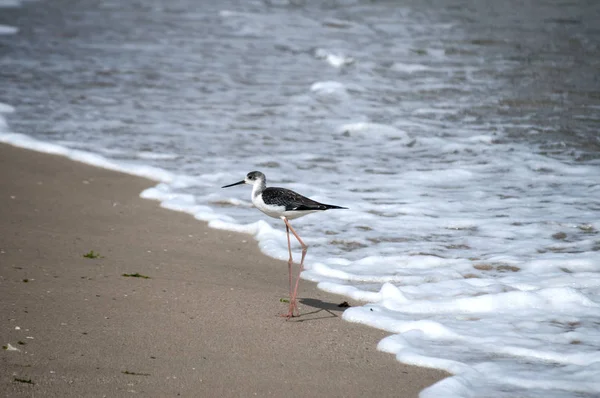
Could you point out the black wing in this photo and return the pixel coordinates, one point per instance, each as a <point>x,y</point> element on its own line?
<point>292,200</point>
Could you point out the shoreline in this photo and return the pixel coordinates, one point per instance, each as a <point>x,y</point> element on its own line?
<point>205,323</point>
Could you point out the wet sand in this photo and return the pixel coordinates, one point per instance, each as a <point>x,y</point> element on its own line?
<point>204,324</point>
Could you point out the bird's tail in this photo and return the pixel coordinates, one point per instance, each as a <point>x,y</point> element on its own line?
<point>329,207</point>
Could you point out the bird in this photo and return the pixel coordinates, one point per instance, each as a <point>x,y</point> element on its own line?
<point>286,205</point>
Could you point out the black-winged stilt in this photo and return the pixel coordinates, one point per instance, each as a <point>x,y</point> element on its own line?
<point>287,205</point>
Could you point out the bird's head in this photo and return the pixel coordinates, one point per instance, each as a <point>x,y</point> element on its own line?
<point>252,178</point>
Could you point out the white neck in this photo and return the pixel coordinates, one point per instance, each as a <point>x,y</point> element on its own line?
<point>258,187</point>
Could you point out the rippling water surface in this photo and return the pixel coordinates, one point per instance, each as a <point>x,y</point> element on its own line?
<point>463,135</point>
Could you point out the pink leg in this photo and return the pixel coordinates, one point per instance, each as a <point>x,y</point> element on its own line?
<point>293,294</point>
<point>287,230</point>
<point>290,262</point>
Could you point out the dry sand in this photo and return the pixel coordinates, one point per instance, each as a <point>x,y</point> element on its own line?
<point>204,325</point>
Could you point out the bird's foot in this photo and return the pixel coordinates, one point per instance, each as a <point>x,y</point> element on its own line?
<point>293,307</point>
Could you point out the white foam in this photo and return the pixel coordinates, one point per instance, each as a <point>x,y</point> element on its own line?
<point>156,156</point>
<point>8,30</point>
<point>5,108</point>
<point>373,130</point>
<point>10,3</point>
<point>337,59</point>
<point>409,68</point>
<point>330,90</point>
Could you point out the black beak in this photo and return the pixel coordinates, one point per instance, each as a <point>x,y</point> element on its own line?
<point>235,183</point>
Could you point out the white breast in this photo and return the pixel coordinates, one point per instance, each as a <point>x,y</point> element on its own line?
<point>269,210</point>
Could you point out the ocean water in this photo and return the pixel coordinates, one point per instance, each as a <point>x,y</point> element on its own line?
<point>464,136</point>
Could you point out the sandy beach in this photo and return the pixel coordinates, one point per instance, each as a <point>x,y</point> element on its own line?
<point>204,324</point>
